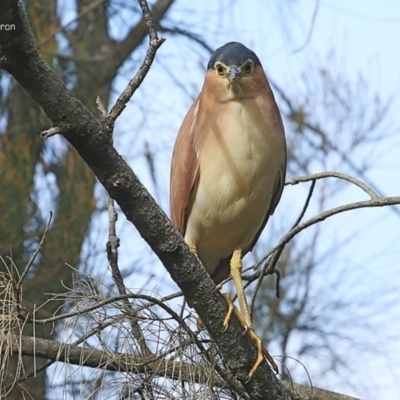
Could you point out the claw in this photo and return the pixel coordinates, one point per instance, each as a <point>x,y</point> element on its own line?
<point>231,309</point>
<point>261,352</point>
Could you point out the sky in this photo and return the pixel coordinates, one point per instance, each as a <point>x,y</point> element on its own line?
<point>292,38</point>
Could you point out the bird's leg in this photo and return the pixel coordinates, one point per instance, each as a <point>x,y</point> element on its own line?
<point>244,315</point>
<point>236,272</point>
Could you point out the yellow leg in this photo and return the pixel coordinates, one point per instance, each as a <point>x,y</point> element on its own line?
<point>244,315</point>
<point>236,272</point>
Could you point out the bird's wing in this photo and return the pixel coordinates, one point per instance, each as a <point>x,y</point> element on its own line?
<point>276,195</point>
<point>184,169</point>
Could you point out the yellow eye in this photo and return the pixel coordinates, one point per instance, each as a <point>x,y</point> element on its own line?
<point>220,69</point>
<point>248,68</point>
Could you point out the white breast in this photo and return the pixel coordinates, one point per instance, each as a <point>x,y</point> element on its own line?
<point>238,170</point>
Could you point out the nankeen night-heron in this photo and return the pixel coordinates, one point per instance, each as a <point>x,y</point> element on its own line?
<point>228,168</point>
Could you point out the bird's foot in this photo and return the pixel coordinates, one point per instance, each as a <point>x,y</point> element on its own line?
<point>261,350</point>
<point>261,353</point>
<point>231,308</point>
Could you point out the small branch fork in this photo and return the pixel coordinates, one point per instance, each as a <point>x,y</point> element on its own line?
<point>270,267</point>
<point>135,82</point>
<point>317,130</point>
<point>154,44</point>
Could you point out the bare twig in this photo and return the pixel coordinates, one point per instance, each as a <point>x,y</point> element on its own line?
<point>135,82</point>
<point>112,246</point>
<point>112,255</point>
<point>339,175</point>
<point>375,201</point>
<point>184,32</point>
<point>277,251</point>
<point>35,253</point>
<point>306,203</point>
<point>113,242</point>
<point>151,301</point>
<point>99,304</point>
<point>310,30</point>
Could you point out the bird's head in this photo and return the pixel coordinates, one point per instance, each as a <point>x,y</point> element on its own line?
<point>233,72</point>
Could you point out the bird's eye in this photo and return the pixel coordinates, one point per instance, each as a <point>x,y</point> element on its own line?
<point>248,68</point>
<point>220,69</point>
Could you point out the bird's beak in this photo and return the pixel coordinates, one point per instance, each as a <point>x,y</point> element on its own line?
<point>233,73</point>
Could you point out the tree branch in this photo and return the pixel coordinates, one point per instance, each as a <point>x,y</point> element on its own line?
<point>333,174</point>
<point>110,361</point>
<point>122,362</point>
